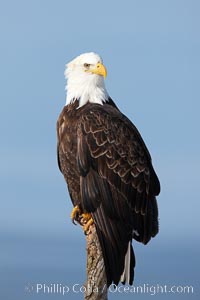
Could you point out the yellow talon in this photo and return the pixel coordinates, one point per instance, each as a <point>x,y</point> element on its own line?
<point>86,217</point>
<point>87,225</point>
<point>75,212</point>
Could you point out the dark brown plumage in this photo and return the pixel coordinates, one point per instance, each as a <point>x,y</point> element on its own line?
<point>109,173</point>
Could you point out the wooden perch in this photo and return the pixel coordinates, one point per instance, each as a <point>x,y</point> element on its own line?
<point>96,287</point>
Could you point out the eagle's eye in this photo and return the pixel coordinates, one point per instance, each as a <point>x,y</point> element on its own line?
<point>86,65</point>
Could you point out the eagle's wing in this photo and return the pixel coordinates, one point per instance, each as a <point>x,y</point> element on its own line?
<point>118,183</point>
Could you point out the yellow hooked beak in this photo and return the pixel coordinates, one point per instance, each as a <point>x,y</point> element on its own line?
<point>100,69</point>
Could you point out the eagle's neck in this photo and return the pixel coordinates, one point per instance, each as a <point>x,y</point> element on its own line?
<point>92,91</point>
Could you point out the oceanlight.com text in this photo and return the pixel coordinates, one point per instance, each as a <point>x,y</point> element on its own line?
<point>76,288</point>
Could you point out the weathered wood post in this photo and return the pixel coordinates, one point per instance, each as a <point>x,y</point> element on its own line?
<point>96,288</point>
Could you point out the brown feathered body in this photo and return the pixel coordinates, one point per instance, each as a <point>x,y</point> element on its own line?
<point>109,173</point>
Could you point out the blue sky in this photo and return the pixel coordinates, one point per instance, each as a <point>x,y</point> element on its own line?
<point>152,53</point>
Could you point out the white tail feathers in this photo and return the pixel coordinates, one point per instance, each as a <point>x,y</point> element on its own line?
<point>125,277</point>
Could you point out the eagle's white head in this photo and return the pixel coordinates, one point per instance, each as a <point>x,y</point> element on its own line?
<point>85,79</point>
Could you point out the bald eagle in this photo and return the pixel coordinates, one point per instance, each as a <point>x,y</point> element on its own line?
<point>107,167</point>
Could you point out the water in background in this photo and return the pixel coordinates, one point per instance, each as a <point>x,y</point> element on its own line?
<point>30,260</point>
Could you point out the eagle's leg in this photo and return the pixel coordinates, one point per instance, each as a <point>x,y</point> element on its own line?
<point>75,214</point>
<point>86,221</point>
